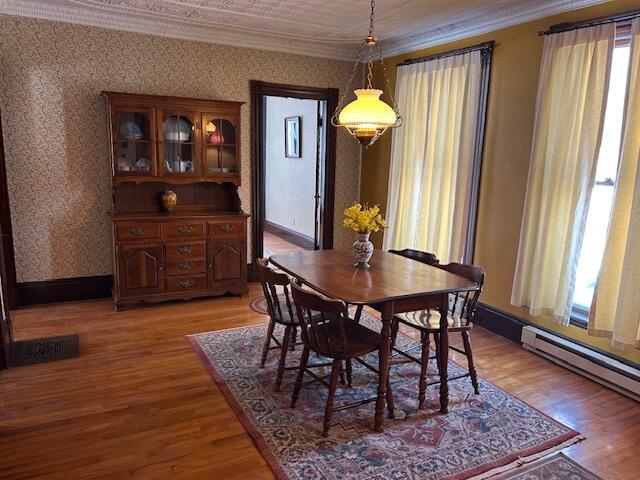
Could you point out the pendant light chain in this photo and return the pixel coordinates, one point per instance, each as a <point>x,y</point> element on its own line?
<point>394,105</point>
<point>370,68</point>
<point>372,17</point>
<point>371,41</point>
<point>354,70</point>
<point>367,118</point>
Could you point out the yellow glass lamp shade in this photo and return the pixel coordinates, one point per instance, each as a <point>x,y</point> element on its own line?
<point>367,117</point>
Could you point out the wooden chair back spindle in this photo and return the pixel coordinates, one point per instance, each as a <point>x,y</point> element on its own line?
<point>463,305</point>
<point>321,321</point>
<point>270,280</point>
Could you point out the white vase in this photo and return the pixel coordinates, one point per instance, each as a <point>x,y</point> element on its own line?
<point>362,251</point>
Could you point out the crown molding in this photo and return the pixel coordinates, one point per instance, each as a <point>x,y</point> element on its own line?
<point>174,29</point>
<point>469,25</point>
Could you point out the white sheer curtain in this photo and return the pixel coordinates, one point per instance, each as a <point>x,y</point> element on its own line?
<point>615,312</point>
<point>432,155</point>
<point>570,112</point>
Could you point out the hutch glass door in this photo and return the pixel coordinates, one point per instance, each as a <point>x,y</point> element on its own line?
<point>220,145</point>
<point>179,134</point>
<point>133,142</point>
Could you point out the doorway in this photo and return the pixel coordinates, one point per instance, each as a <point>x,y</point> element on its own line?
<point>293,168</point>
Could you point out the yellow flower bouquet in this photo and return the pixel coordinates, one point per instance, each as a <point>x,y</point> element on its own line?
<point>363,220</point>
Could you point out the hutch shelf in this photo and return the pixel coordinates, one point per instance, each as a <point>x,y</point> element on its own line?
<point>192,148</point>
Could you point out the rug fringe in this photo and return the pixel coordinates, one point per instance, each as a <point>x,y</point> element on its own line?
<point>528,459</point>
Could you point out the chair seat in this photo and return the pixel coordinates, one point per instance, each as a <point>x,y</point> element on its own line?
<point>429,320</point>
<point>360,340</point>
<point>286,319</point>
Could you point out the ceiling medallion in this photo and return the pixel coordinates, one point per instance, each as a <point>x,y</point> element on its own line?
<point>367,117</point>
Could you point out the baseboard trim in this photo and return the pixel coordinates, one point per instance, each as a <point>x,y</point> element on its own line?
<point>289,235</point>
<point>64,290</point>
<point>504,324</point>
<point>510,326</point>
<point>72,289</point>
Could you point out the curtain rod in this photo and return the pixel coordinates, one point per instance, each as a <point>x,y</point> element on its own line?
<point>485,47</point>
<point>565,27</point>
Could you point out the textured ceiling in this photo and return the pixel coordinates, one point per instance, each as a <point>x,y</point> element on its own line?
<point>329,28</point>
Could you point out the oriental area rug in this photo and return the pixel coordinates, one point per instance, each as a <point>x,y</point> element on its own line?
<point>481,435</point>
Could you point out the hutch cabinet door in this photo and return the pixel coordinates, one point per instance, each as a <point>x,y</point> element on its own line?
<point>140,270</point>
<point>133,134</point>
<point>179,142</point>
<point>227,262</point>
<point>220,135</point>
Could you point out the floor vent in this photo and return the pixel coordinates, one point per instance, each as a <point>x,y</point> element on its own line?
<point>39,350</point>
<point>600,368</point>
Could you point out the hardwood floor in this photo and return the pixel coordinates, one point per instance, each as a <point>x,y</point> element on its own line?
<point>274,245</point>
<point>138,403</point>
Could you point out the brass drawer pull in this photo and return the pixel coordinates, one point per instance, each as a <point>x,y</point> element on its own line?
<point>188,283</point>
<point>139,232</point>
<point>227,228</point>
<point>185,249</point>
<point>185,266</point>
<point>185,229</point>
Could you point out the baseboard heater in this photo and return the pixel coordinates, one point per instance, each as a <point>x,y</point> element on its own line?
<point>600,368</point>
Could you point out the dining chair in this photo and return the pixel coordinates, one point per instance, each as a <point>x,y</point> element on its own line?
<point>420,256</point>
<point>281,312</point>
<point>462,308</point>
<point>328,331</point>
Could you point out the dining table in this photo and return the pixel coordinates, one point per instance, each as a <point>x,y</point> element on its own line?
<point>393,284</point>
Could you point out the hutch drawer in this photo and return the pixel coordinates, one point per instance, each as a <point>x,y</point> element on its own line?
<point>134,231</point>
<point>186,229</point>
<point>185,250</point>
<point>186,284</point>
<point>183,267</point>
<point>221,229</point>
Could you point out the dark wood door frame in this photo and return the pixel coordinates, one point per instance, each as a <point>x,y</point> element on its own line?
<point>7,263</point>
<point>258,90</point>
<point>7,232</point>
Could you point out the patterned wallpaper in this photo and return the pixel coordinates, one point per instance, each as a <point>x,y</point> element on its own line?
<point>55,127</point>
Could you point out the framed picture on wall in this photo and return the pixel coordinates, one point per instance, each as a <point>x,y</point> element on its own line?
<point>292,144</point>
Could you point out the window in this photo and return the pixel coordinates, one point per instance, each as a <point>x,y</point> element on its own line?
<point>595,235</point>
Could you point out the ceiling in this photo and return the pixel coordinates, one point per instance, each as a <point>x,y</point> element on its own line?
<point>324,28</point>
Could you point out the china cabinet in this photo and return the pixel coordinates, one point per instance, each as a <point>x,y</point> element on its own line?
<point>190,148</point>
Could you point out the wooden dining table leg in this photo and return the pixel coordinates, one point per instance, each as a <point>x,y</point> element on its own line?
<point>383,365</point>
<point>444,354</point>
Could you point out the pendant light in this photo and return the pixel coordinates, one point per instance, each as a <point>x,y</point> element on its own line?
<point>367,117</point>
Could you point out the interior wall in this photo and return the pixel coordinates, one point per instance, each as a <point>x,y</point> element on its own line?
<point>56,134</point>
<point>290,183</point>
<point>505,165</point>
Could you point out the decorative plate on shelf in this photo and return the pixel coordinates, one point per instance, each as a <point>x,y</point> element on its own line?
<point>143,165</point>
<point>130,131</point>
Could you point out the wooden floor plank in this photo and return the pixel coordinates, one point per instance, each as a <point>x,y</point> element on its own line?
<point>139,404</point>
